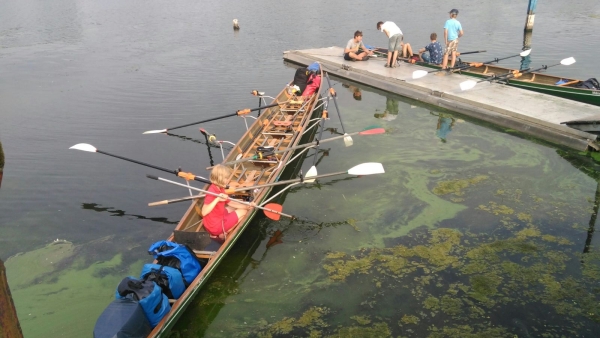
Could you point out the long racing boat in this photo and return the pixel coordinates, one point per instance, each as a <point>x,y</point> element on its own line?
<point>567,88</point>
<point>293,119</point>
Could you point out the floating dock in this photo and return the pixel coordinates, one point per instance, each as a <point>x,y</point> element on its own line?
<point>541,115</point>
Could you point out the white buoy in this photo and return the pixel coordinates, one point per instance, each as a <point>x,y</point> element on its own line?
<point>236,25</point>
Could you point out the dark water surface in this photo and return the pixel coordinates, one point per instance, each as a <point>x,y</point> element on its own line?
<point>472,230</point>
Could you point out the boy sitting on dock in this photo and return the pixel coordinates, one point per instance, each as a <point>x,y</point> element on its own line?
<point>221,214</point>
<point>432,53</point>
<point>352,52</point>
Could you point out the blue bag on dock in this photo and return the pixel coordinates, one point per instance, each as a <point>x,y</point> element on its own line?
<point>169,279</point>
<point>148,294</point>
<point>177,256</point>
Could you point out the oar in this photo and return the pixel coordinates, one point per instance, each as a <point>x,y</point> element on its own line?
<point>373,131</point>
<point>271,210</point>
<point>417,74</point>
<point>473,52</point>
<point>347,139</point>
<point>466,85</point>
<point>362,169</point>
<point>237,113</point>
<point>188,176</point>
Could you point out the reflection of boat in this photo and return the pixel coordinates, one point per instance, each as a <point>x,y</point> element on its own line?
<point>280,127</point>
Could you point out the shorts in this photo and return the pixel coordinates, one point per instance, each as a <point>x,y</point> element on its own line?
<point>452,47</point>
<point>230,220</point>
<point>426,57</point>
<point>395,43</point>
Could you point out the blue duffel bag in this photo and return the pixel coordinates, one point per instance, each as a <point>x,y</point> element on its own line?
<point>148,294</point>
<point>123,318</point>
<point>177,256</point>
<point>169,279</point>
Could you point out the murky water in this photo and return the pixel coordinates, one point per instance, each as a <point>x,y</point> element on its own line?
<point>472,228</point>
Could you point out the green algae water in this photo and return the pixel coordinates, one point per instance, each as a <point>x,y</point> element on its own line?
<point>472,231</point>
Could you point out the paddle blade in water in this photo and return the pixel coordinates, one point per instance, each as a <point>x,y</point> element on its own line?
<point>417,74</point>
<point>273,211</point>
<point>525,52</point>
<point>369,168</point>
<point>466,85</point>
<point>373,131</point>
<point>567,61</point>
<point>312,172</point>
<point>348,140</point>
<point>84,147</point>
<point>155,131</point>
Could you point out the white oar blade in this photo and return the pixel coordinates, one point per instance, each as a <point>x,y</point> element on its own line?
<point>466,85</point>
<point>525,52</point>
<point>84,147</point>
<point>417,74</point>
<point>567,61</point>
<point>348,140</point>
<point>312,172</point>
<point>155,131</point>
<point>370,168</point>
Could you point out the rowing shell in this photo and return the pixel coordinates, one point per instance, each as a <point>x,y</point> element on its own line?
<point>286,125</point>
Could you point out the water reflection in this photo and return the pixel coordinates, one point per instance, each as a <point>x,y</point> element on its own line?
<point>444,126</point>
<point>391,110</point>
<point>121,213</point>
<point>592,170</point>
<point>356,93</point>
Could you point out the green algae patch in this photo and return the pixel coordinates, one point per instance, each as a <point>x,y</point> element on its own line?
<point>457,187</point>
<point>409,319</point>
<point>362,320</point>
<point>311,323</point>
<point>47,307</point>
<point>497,209</point>
<point>376,330</point>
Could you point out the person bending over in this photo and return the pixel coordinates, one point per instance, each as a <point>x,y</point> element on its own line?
<point>393,32</point>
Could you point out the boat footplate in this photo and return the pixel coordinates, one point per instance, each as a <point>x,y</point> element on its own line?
<point>195,240</point>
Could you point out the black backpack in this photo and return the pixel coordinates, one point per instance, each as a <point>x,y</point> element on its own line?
<point>590,83</point>
<point>301,78</point>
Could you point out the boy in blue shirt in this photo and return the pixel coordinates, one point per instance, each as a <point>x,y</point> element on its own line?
<point>435,51</point>
<point>452,31</point>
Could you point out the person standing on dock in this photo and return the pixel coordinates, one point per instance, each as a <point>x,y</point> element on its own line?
<point>395,36</point>
<point>434,49</point>
<point>452,31</point>
<point>352,52</point>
